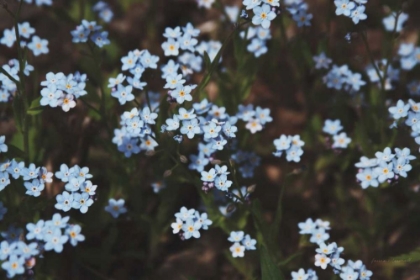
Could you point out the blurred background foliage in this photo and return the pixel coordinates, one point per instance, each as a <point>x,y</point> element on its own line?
<point>379,224</point>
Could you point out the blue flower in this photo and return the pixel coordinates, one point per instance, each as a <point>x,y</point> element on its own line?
<point>332,127</point>
<point>186,115</point>
<point>35,231</point>
<point>64,201</point>
<point>14,266</point>
<point>123,94</point>
<point>129,147</point>
<point>401,167</point>
<point>116,207</point>
<point>249,243</point>
<point>57,221</point>
<point>282,143</point>
<point>341,140</point>
<point>55,241</point>
<point>9,37</point>
<point>74,234</point>
<point>88,188</point>
<point>30,173</point>
<point>100,38</point>
<point>358,14</point>
<point>74,184</point>
<point>38,46</point>
<point>208,176</point>
<point>148,60</point>
<point>384,171</point>
<point>368,178</point>
<point>34,188</point>
<point>263,15</point>
<point>186,42</point>
<point>6,249</point>
<point>82,202</point>
<point>3,146</point>
<point>319,236</point>
<point>222,183</point>
<point>389,22</point>
<point>211,130</point>
<point>299,275</point>
<point>173,81</point>
<point>322,61</point>
<point>63,174</point>
<point>302,18</point>
<point>27,250</point>
<point>191,229</point>
<point>50,96</point>
<point>15,169</point>
<point>307,227</point>
<point>203,220</point>
<point>344,7</point>
<point>184,214</point>
<point>385,156</point>
<point>4,180</point>
<point>251,4</point>
<point>170,47</point>
<point>349,274</point>
<point>294,154</point>
<point>236,236</point>
<point>400,110</point>
<point>190,128</point>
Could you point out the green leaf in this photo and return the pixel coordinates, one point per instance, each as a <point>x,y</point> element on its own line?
<point>412,257</point>
<point>207,61</point>
<point>269,270</point>
<point>35,107</point>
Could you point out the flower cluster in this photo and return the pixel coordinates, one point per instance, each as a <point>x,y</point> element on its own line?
<point>259,37</point>
<point>216,177</point>
<point>354,10</point>
<point>78,192</point>
<point>34,177</point>
<point>90,30</point>
<point>50,235</point>
<point>247,162</point>
<point>116,207</point>
<point>333,127</point>
<point>263,13</point>
<point>36,45</point>
<point>103,10</point>
<point>411,113</point>
<point>291,145</point>
<point>136,127</point>
<point>395,21</point>
<point>341,77</point>
<point>61,90</point>
<point>7,86</point>
<point>189,222</point>
<point>299,12</point>
<point>409,56</point>
<point>135,62</point>
<point>329,255</point>
<point>241,242</point>
<point>386,166</point>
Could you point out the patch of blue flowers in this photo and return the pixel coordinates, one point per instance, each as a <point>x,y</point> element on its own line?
<point>241,243</point>
<point>329,254</point>
<point>63,91</point>
<point>18,251</point>
<point>189,222</point>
